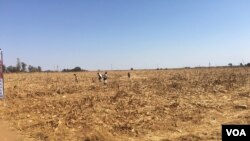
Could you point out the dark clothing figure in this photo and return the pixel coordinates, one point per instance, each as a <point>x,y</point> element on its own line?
<point>76,78</point>
<point>129,75</point>
<point>105,78</point>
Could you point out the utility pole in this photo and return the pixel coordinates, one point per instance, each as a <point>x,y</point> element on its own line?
<point>1,76</point>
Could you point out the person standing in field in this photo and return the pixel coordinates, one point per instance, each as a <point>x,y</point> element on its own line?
<point>105,78</point>
<point>129,75</point>
<point>76,78</point>
<point>99,76</point>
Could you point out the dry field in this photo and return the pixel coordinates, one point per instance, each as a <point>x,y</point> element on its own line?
<point>164,105</point>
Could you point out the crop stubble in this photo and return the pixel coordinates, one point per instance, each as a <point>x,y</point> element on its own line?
<point>185,104</point>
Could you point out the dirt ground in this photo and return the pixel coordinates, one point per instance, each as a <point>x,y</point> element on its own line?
<point>159,105</point>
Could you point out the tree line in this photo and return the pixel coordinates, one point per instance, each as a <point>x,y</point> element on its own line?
<point>241,65</point>
<point>22,67</point>
<point>76,69</point>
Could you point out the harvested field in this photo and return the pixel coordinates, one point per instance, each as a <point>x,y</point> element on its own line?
<point>163,105</point>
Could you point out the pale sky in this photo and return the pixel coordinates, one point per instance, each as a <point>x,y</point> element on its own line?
<point>94,34</point>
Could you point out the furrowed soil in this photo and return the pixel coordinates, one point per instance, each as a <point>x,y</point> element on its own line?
<point>163,105</point>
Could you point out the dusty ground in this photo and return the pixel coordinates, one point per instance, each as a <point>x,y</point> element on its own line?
<point>159,105</point>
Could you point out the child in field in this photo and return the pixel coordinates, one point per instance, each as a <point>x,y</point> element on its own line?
<point>129,75</point>
<point>76,78</point>
<point>99,76</point>
<point>105,78</point>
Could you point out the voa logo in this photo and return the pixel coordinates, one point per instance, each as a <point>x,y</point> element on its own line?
<point>236,132</point>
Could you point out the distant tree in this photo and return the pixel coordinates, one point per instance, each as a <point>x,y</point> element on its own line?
<point>248,64</point>
<point>131,68</point>
<point>241,64</point>
<point>32,68</point>
<point>39,69</point>
<point>65,70</point>
<point>23,66</point>
<point>18,65</point>
<point>230,64</point>
<point>48,71</point>
<point>77,69</point>
<point>11,69</point>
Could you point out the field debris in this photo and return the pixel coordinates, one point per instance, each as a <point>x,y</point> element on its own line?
<point>188,104</point>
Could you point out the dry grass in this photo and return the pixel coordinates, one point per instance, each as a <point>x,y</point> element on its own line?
<point>153,105</point>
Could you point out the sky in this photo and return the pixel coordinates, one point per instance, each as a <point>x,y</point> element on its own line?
<point>121,34</point>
